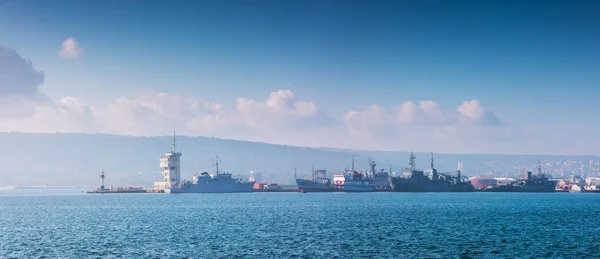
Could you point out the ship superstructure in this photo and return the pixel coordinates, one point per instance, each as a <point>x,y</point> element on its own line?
<point>413,180</point>
<point>381,178</point>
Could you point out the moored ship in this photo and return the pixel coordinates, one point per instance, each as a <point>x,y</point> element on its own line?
<point>220,182</point>
<point>414,180</point>
<point>353,181</point>
<point>539,182</point>
<point>534,183</point>
<point>318,183</point>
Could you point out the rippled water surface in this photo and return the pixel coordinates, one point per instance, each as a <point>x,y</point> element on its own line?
<point>69,223</point>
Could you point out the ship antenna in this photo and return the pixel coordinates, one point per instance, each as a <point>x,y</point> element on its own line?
<point>539,167</point>
<point>460,168</point>
<point>173,141</point>
<point>411,161</point>
<point>314,172</point>
<point>352,164</point>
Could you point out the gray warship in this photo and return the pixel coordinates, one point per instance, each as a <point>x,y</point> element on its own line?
<point>220,182</point>
<point>413,180</point>
<point>539,182</point>
<point>318,183</point>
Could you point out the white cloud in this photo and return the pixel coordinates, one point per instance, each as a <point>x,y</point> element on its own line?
<point>409,125</point>
<point>281,118</point>
<point>281,111</point>
<point>70,48</point>
<point>153,113</point>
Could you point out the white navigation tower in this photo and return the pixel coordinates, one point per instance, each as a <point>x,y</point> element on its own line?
<point>102,180</point>
<point>170,163</point>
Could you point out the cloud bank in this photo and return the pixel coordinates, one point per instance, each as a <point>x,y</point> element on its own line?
<point>17,75</point>
<point>282,117</point>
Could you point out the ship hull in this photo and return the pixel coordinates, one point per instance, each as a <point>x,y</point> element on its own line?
<point>215,187</point>
<point>535,188</point>
<point>310,186</point>
<point>508,188</point>
<point>409,185</point>
<point>354,188</point>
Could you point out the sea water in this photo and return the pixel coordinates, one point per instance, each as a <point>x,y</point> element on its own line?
<point>73,224</point>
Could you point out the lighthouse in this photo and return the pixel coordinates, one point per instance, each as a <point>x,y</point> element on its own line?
<point>102,180</point>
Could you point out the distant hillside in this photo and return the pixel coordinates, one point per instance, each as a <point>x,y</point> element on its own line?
<point>76,159</point>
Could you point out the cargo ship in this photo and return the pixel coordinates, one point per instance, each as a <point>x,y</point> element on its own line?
<point>414,180</point>
<point>220,182</point>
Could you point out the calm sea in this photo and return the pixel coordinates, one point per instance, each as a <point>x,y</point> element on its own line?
<point>72,224</point>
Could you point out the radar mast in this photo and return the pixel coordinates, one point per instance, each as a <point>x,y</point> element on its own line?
<point>411,161</point>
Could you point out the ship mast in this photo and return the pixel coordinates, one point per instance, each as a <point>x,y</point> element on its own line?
<point>434,173</point>
<point>460,168</point>
<point>539,167</point>
<point>352,164</point>
<point>411,161</point>
<point>432,161</point>
<point>372,163</point>
<point>216,163</point>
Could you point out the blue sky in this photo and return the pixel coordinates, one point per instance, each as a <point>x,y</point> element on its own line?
<point>534,64</point>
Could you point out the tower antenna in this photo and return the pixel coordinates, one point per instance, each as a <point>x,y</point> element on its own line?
<point>174,141</point>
